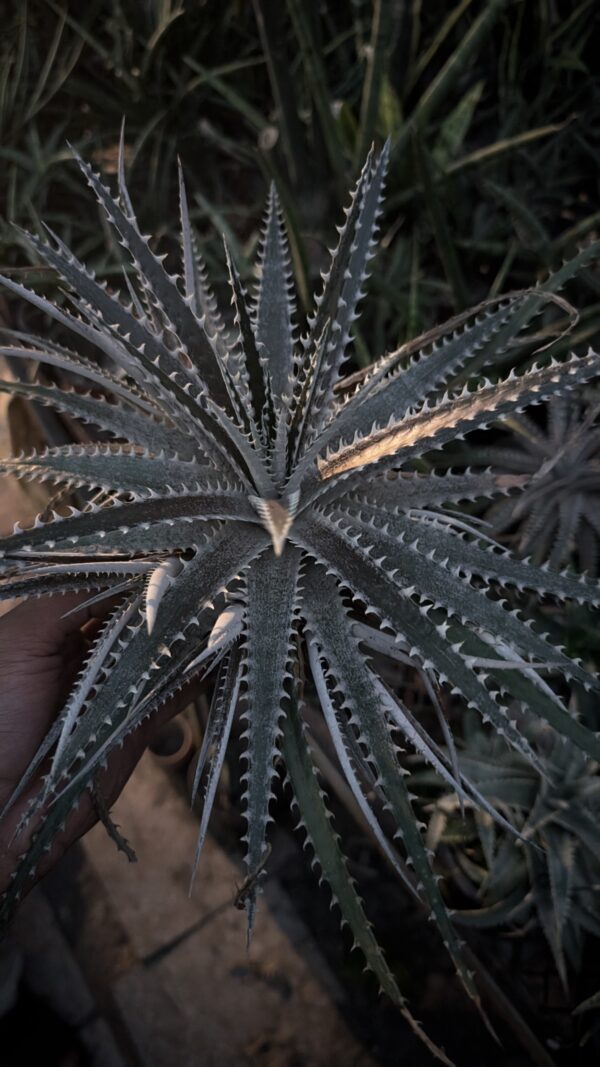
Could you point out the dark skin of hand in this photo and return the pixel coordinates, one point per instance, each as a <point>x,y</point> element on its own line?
<point>40,655</point>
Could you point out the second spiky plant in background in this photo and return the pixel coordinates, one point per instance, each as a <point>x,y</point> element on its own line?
<point>554,876</point>
<point>557,516</point>
<point>256,521</point>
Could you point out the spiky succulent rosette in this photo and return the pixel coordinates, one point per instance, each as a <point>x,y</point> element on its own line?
<point>254,516</point>
<point>555,883</point>
<point>557,517</point>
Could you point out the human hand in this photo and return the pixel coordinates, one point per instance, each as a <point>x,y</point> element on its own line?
<point>40,655</point>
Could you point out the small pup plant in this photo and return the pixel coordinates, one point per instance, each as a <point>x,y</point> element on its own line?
<point>262,518</point>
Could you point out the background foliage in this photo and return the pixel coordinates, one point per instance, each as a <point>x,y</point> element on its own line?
<point>490,107</point>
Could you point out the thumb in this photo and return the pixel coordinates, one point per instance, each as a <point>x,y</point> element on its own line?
<point>40,626</point>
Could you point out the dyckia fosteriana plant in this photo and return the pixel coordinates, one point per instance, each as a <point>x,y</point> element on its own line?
<point>254,516</point>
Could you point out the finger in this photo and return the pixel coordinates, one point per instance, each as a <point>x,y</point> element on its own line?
<point>111,781</point>
<point>40,657</point>
<point>43,625</point>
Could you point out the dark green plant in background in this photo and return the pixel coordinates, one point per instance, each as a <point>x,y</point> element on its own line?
<point>556,881</point>
<point>557,518</point>
<point>490,109</point>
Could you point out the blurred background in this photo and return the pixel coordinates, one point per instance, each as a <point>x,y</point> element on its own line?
<point>492,109</point>
<point>493,112</point>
